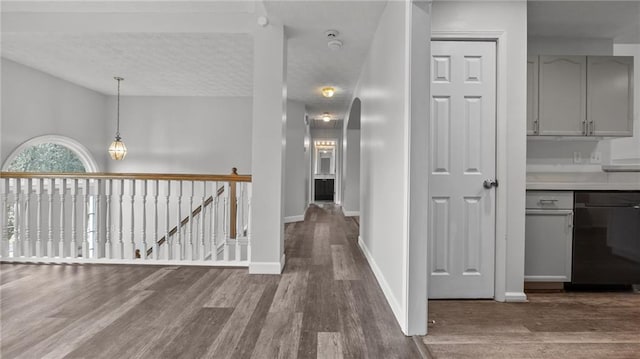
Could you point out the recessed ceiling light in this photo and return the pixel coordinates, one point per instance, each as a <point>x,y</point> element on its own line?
<point>328,91</point>
<point>326,117</point>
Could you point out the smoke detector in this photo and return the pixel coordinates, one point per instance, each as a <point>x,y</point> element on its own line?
<point>332,36</point>
<point>335,44</point>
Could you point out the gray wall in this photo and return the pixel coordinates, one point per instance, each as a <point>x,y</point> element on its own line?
<point>184,134</point>
<point>35,104</point>
<point>162,134</point>
<point>295,164</point>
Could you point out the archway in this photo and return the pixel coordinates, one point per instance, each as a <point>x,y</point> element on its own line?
<point>351,163</point>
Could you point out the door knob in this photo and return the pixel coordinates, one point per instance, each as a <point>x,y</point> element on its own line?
<point>490,183</point>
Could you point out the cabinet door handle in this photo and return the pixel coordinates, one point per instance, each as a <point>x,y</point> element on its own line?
<point>591,128</point>
<point>570,221</point>
<point>584,128</point>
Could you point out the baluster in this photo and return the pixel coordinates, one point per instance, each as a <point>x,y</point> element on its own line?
<point>52,189</point>
<point>156,192</point>
<point>108,242</point>
<point>4,241</point>
<point>214,223</point>
<point>63,193</point>
<point>225,221</point>
<point>132,252</point>
<point>238,216</point>
<point>189,248</point>
<point>17,208</point>
<point>39,190</point>
<point>26,245</point>
<point>73,249</point>
<point>167,244</point>
<point>249,190</point>
<point>96,238</point>
<point>143,188</point>
<point>203,221</point>
<point>120,251</point>
<point>177,253</point>
<point>85,223</point>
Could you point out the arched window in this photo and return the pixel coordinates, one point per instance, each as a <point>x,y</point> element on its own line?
<point>51,153</point>
<point>46,157</point>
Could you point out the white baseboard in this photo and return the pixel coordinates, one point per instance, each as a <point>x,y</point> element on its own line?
<point>267,267</point>
<point>351,213</point>
<point>153,262</point>
<point>391,299</point>
<point>292,219</point>
<point>515,297</point>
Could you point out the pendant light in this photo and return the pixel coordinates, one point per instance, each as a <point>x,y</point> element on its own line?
<point>117,149</point>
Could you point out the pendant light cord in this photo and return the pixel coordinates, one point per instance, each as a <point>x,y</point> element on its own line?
<point>118,113</point>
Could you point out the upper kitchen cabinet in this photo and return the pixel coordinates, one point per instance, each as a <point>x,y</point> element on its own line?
<point>532,95</point>
<point>610,95</point>
<point>562,96</point>
<point>580,96</point>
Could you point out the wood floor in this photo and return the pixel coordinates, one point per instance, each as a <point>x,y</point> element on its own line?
<point>550,325</point>
<point>326,304</point>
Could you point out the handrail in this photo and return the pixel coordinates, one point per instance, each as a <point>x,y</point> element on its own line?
<point>183,223</point>
<point>135,176</point>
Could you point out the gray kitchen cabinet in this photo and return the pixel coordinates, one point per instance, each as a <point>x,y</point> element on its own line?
<point>580,96</point>
<point>562,96</point>
<point>548,236</point>
<point>610,95</point>
<point>532,95</point>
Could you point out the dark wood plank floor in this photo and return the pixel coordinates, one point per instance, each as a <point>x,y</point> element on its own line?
<point>550,325</point>
<point>326,304</point>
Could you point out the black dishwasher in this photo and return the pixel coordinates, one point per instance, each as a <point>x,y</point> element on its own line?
<point>606,238</point>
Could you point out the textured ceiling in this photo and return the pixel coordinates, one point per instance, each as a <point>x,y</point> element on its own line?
<point>319,123</point>
<point>174,63</point>
<point>311,64</point>
<point>615,20</point>
<point>53,6</point>
<point>152,64</point>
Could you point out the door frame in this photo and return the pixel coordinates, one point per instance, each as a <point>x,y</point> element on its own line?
<point>337,161</point>
<point>499,37</point>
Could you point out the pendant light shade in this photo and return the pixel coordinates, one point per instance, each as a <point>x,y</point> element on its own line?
<point>117,149</point>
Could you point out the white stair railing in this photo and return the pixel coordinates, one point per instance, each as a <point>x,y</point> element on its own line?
<point>125,218</point>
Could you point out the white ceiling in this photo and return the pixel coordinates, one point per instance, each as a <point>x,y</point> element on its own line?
<point>152,64</point>
<point>185,62</point>
<point>312,65</point>
<point>615,20</point>
<point>181,62</point>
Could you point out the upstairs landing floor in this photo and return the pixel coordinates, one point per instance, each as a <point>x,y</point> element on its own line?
<point>326,304</point>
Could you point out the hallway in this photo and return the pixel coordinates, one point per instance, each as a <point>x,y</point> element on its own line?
<point>326,304</point>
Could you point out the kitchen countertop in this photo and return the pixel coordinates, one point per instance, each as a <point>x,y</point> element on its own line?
<point>621,181</point>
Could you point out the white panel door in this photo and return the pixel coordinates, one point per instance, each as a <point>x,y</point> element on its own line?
<point>610,95</point>
<point>462,157</point>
